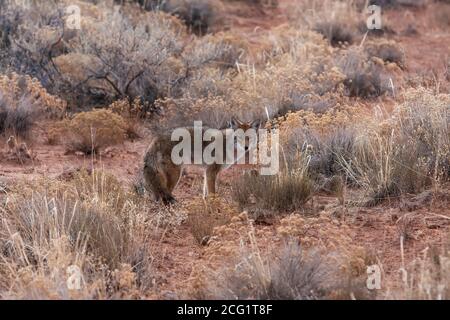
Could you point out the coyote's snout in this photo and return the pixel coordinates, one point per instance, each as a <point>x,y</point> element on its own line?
<point>161,174</point>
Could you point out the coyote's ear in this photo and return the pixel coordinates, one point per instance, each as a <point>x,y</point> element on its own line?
<point>256,124</point>
<point>234,123</point>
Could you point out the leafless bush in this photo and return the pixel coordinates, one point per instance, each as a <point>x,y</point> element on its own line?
<point>34,31</point>
<point>131,60</point>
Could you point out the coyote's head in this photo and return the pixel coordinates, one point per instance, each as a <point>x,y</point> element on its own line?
<point>237,124</point>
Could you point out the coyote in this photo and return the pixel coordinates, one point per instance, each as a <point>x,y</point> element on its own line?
<point>161,175</point>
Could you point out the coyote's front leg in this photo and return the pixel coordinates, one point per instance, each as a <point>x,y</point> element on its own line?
<point>209,186</point>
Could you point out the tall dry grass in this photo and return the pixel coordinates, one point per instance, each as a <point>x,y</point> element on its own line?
<point>90,224</point>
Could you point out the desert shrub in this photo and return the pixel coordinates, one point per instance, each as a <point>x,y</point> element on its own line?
<point>90,131</point>
<point>131,60</point>
<point>204,215</point>
<point>34,34</point>
<point>214,112</point>
<point>300,74</point>
<point>427,277</point>
<point>388,51</point>
<point>19,118</point>
<point>199,15</point>
<point>337,34</point>
<point>288,271</point>
<point>222,50</point>
<point>327,150</point>
<point>329,139</point>
<point>364,78</point>
<point>49,228</point>
<point>23,100</point>
<point>270,3</point>
<point>120,56</point>
<point>294,274</point>
<point>408,152</point>
<point>336,21</point>
<point>259,265</point>
<point>288,190</point>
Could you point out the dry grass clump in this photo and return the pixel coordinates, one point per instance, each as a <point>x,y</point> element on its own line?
<point>22,101</point>
<point>337,22</point>
<point>206,214</point>
<point>365,77</point>
<point>200,16</point>
<point>388,51</point>
<point>326,137</point>
<point>406,153</point>
<point>288,190</point>
<point>337,34</point>
<point>335,240</point>
<point>49,230</point>
<point>294,274</point>
<point>90,131</point>
<point>427,277</point>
